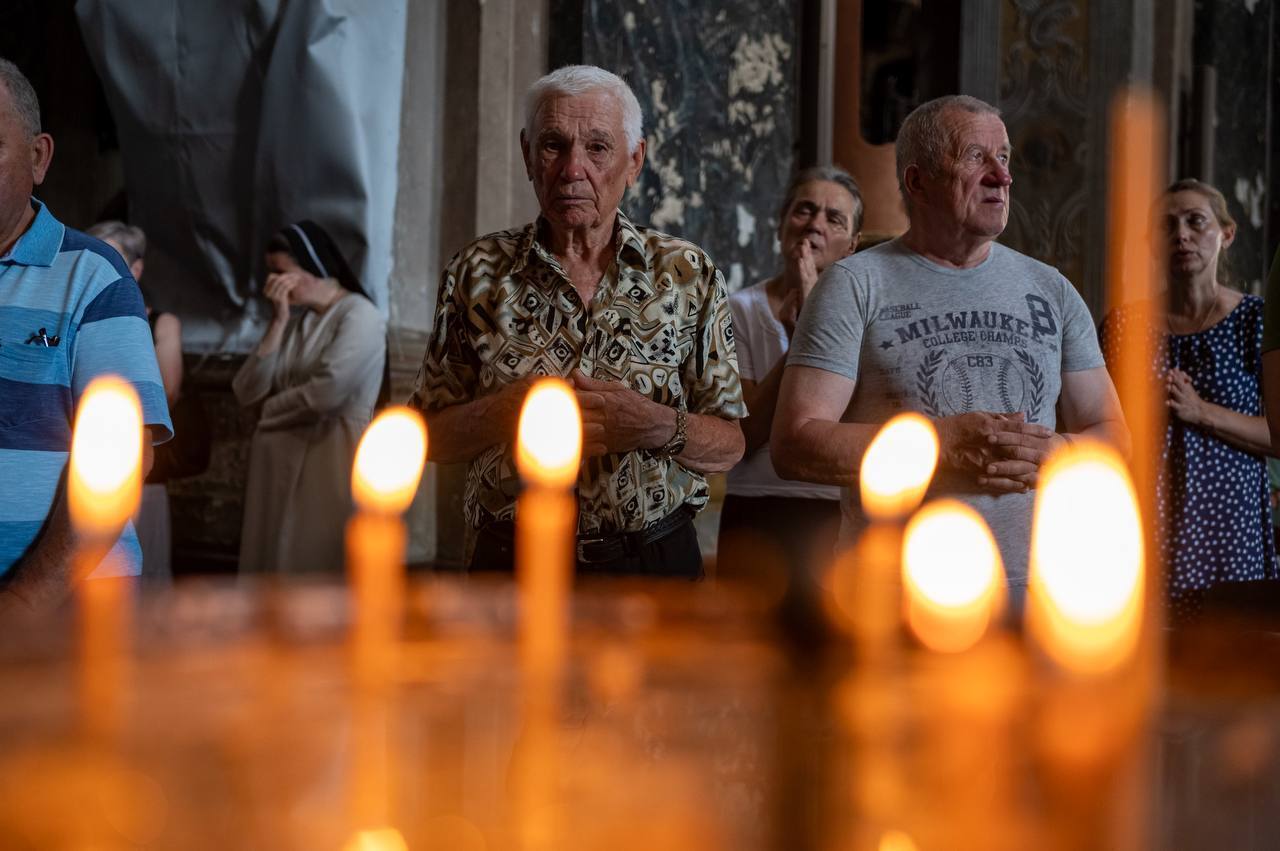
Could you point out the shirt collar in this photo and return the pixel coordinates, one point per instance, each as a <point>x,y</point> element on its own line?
<point>626,235</point>
<point>39,245</point>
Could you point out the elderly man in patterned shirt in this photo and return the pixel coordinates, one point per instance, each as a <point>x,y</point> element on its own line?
<point>636,319</point>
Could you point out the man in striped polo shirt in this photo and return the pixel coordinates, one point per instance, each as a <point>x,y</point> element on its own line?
<point>69,312</point>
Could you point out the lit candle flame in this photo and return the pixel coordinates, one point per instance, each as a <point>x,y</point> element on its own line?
<point>1086,576</point>
<point>952,574</point>
<point>389,460</point>
<point>896,840</point>
<point>549,446</point>
<point>105,479</point>
<point>898,466</point>
<point>379,839</point>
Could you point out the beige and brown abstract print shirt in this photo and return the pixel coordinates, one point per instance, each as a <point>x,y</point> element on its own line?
<point>659,322</point>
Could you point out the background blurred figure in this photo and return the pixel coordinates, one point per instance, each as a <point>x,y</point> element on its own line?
<point>1213,494</point>
<point>317,372</point>
<point>767,522</point>
<point>152,521</point>
<point>1271,351</point>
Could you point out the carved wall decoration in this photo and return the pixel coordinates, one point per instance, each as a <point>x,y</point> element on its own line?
<point>1044,96</point>
<point>1233,38</point>
<point>717,82</point>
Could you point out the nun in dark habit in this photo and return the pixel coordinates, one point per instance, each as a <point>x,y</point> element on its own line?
<point>317,373</point>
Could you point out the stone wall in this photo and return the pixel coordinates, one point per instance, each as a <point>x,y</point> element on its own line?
<point>717,81</point>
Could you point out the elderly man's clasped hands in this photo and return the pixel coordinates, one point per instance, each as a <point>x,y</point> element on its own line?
<point>1003,451</point>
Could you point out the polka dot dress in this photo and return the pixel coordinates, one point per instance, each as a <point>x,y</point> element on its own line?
<point>1212,497</point>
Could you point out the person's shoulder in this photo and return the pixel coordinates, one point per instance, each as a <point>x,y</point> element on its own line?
<point>105,258</point>
<point>1252,302</point>
<point>870,263</point>
<point>1003,255</point>
<point>359,308</point>
<point>1251,308</point>
<point>749,295</point>
<point>490,249</point>
<point>659,242</point>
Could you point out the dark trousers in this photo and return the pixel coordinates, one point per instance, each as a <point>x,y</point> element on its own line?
<point>676,554</point>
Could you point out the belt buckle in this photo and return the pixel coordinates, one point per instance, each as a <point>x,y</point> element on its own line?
<point>586,541</point>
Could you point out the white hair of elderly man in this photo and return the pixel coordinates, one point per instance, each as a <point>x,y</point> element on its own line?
<point>574,80</point>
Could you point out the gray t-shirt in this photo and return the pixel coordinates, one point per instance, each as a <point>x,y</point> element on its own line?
<point>917,336</point>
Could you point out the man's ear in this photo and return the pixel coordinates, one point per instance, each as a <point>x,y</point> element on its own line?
<point>853,244</point>
<point>911,179</point>
<point>637,163</point>
<point>524,152</point>
<point>41,156</point>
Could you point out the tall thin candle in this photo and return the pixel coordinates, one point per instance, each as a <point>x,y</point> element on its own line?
<point>384,479</point>
<point>104,483</point>
<point>548,452</point>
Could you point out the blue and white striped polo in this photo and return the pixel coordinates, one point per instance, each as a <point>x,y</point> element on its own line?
<point>58,282</point>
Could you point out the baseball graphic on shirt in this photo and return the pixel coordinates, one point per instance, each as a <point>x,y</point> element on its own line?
<point>983,381</point>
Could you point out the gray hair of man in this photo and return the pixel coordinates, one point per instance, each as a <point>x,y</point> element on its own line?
<point>24,96</point>
<point>829,174</point>
<point>131,238</point>
<point>924,140</point>
<point>574,80</point>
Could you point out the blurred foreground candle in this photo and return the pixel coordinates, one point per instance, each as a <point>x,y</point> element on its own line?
<point>866,588</point>
<point>896,470</point>
<point>384,479</point>
<point>1086,577</point>
<point>1085,612</point>
<point>967,689</point>
<point>548,452</point>
<point>104,483</point>
<point>953,576</point>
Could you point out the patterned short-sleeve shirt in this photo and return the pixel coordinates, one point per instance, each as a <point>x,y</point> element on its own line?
<point>659,322</point>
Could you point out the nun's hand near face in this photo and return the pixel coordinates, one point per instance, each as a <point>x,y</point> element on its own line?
<point>277,290</point>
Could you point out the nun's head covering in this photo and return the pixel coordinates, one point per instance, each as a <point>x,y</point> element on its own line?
<point>315,251</point>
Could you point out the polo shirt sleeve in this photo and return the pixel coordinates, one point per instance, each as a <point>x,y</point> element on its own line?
<point>449,374</point>
<point>113,337</point>
<point>710,374</point>
<point>1271,316</point>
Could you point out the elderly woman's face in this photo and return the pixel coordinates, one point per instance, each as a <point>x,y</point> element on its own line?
<point>1193,236</point>
<point>821,214</point>
<point>578,160</point>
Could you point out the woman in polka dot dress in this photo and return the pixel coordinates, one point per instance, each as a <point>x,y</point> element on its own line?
<point>1212,494</point>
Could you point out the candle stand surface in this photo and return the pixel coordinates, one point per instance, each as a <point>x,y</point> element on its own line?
<point>238,718</point>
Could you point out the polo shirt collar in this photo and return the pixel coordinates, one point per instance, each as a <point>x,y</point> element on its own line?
<point>39,245</point>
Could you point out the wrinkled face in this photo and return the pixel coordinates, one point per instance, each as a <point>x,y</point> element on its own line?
<point>821,213</point>
<point>576,155</point>
<point>1193,236</point>
<point>21,169</point>
<point>973,189</point>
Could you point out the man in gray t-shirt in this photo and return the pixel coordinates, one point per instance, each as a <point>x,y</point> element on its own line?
<point>981,339</point>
